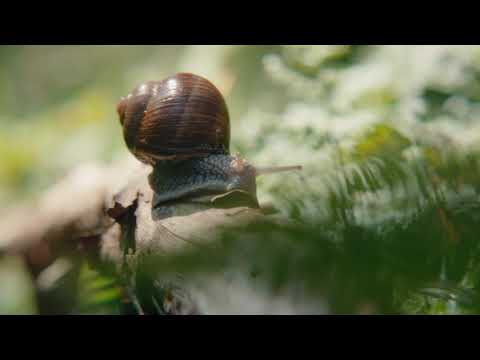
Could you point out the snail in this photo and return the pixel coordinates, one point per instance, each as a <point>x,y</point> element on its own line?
<point>181,126</point>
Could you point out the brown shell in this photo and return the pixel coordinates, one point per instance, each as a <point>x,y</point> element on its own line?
<point>181,116</point>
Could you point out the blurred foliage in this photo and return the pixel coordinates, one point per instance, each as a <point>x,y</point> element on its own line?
<point>17,295</point>
<point>386,208</point>
<point>98,293</point>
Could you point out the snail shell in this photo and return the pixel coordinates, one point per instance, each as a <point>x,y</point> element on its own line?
<point>179,117</point>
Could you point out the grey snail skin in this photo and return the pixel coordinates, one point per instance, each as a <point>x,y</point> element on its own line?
<point>181,126</point>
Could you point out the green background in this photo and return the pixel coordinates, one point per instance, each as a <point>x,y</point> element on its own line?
<point>387,136</point>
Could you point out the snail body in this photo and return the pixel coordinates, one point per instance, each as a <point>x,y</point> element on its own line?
<point>209,175</point>
<point>181,127</point>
